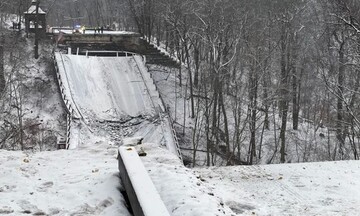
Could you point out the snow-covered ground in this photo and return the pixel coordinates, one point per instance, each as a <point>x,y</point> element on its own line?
<point>79,182</point>
<point>326,188</point>
<point>183,192</point>
<point>85,182</point>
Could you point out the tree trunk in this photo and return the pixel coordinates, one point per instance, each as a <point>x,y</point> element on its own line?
<point>207,127</point>
<point>187,53</point>
<point>2,72</point>
<point>295,93</point>
<point>226,128</point>
<point>197,130</point>
<point>283,104</point>
<point>339,106</point>
<point>282,134</point>
<point>197,64</point>
<point>253,81</point>
<point>266,81</point>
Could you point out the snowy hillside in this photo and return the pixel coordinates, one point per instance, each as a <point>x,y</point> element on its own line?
<point>31,110</point>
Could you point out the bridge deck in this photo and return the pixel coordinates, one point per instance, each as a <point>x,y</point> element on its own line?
<point>105,88</point>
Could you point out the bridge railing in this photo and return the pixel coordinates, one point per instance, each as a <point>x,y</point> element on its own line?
<point>101,53</point>
<point>116,53</point>
<point>68,107</point>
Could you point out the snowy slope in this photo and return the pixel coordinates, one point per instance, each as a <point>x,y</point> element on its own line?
<point>80,182</point>
<point>327,188</point>
<point>104,88</point>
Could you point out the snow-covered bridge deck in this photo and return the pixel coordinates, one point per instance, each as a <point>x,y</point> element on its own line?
<point>114,89</point>
<point>104,88</point>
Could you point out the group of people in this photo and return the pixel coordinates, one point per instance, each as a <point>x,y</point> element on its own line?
<point>99,30</point>
<point>16,25</point>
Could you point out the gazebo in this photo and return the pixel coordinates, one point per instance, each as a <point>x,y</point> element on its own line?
<point>30,19</point>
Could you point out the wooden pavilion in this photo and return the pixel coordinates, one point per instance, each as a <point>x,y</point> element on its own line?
<point>31,17</point>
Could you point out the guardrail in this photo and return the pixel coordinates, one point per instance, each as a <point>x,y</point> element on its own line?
<point>142,194</point>
<point>174,135</point>
<point>69,109</point>
<point>118,53</point>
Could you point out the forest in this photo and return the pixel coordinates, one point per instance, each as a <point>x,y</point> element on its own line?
<point>265,81</point>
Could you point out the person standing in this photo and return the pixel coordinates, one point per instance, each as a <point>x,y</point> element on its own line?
<point>102,29</point>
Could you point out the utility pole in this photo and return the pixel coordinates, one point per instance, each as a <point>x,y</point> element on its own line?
<point>37,30</point>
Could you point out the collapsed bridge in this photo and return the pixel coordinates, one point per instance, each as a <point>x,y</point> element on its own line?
<point>113,89</point>
<point>101,85</point>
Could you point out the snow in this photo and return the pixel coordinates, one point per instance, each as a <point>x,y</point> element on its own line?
<point>181,190</point>
<point>132,141</point>
<point>326,188</point>
<point>42,112</point>
<point>32,10</point>
<point>85,181</point>
<point>106,88</point>
<point>114,89</point>
<point>78,182</point>
<point>9,20</point>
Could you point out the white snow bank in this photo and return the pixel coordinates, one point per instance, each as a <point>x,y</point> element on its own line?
<point>328,188</point>
<point>180,189</point>
<point>79,182</point>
